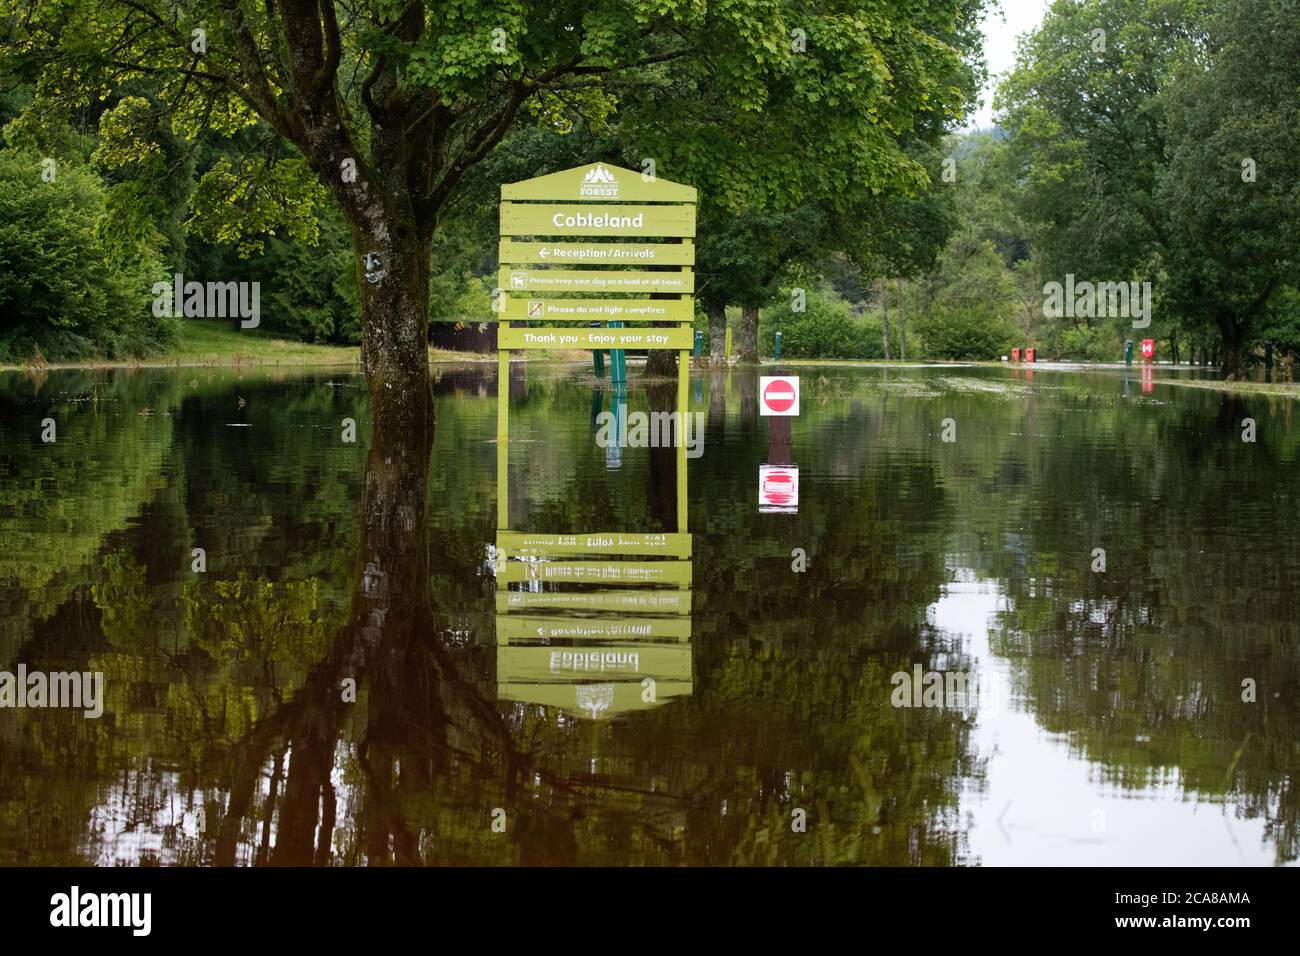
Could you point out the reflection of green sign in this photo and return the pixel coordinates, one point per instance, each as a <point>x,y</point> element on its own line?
<point>639,602</point>
<point>516,338</point>
<point>617,662</point>
<point>611,542</point>
<point>622,280</point>
<point>598,253</point>
<point>595,700</point>
<point>600,310</point>
<point>511,629</point>
<point>598,572</point>
<point>599,182</point>
<point>581,219</point>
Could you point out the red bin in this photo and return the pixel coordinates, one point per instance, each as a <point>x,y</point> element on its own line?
<point>1029,355</point>
<point>1015,355</point>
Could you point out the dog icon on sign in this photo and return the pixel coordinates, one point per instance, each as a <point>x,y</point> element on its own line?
<point>519,280</point>
<point>536,309</point>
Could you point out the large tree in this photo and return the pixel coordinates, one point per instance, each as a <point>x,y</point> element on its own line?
<point>386,105</point>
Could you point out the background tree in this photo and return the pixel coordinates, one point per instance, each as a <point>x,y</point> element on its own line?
<point>1231,187</point>
<point>1130,123</point>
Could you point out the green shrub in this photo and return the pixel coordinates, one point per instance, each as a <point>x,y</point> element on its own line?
<point>825,329</point>
<point>964,333</point>
<point>1092,344</point>
<point>60,290</point>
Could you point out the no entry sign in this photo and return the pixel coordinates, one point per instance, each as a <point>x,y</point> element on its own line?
<point>778,395</point>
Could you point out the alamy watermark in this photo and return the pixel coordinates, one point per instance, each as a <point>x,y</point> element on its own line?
<point>79,691</point>
<point>209,300</point>
<point>942,690</point>
<point>1099,300</point>
<point>130,910</point>
<point>618,429</point>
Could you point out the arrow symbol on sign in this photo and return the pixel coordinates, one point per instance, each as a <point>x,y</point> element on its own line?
<point>542,252</point>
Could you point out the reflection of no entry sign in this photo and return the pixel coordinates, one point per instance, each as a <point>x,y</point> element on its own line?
<point>778,395</point>
<point>778,489</point>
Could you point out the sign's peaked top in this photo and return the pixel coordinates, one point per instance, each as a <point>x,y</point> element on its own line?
<point>598,182</point>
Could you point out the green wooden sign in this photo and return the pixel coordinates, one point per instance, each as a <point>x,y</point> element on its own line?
<point>516,338</point>
<point>639,602</point>
<point>579,219</point>
<point>598,572</point>
<point>514,628</point>
<point>597,253</point>
<point>599,182</point>
<point>598,310</point>
<point>613,542</point>
<point>617,662</point>
<point>607,280</point>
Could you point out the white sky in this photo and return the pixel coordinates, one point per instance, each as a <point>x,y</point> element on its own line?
<point>1002,26</point>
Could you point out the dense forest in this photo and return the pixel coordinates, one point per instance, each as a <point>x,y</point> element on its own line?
<point>1152,143</point>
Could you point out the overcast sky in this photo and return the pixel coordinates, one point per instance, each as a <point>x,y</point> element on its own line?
<point>1001,27</point>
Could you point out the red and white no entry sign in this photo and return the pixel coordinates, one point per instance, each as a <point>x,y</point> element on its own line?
<point>778,395</point>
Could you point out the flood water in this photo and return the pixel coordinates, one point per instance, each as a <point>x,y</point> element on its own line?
<point>329,689</point>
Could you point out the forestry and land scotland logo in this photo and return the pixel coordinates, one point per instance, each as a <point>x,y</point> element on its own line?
<point>599,183</point>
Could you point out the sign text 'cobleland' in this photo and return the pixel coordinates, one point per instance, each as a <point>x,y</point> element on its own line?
<point>576,219</point>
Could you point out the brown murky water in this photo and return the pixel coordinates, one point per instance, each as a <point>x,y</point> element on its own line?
<point>334,690</point>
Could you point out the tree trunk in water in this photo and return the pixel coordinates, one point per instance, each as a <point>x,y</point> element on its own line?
<point>662,478</point>
<point>748,335</point>
<point>717,312</point>
<point>747,386</point>
<point>884,301</point>
<point>390,615</point>
<point>717,422</point>
<point>395,316</point>
<point>1234,340</point>
<point>902,329</point>
<point>661,363</point>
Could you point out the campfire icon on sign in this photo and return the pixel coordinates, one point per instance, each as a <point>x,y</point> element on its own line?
<point>536,309</point>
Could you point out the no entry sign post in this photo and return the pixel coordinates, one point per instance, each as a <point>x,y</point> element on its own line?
<point>778,480</point>
<point>778,395</point>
